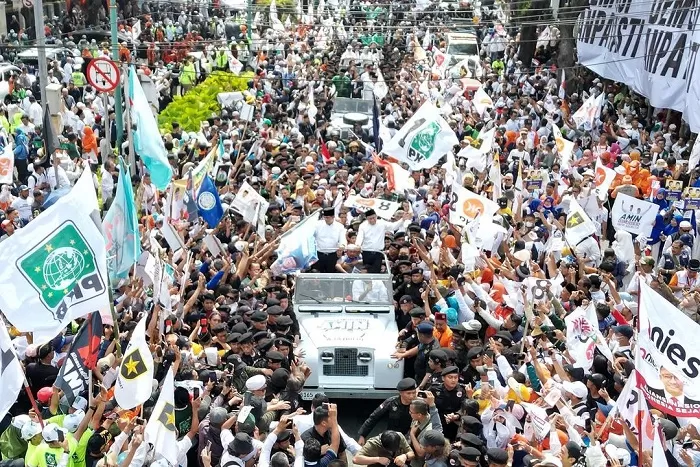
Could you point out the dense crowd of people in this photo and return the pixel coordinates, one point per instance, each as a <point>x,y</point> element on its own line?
<point>482,306</point>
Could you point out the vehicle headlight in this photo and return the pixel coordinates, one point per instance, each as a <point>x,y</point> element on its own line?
<point>327,357</point>
<point>364,357</point>
<point>392,365</point>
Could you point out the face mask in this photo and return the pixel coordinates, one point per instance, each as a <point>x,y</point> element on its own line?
<point>529,225</point>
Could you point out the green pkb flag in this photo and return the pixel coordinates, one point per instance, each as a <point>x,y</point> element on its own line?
<point>57,263</point>
<point>55,270</point>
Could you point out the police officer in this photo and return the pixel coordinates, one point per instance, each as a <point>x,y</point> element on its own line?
<point>394,409</point>
<point>448,400</point>
<point>408,339</point>
<point>469,457</point>
<point>437,361</point>
<point>415,287</point>
<point>426,343</point>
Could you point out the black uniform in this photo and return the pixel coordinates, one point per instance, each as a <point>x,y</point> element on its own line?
<point>398,418</point>
<point>415,291</point>
<point>448,402</point>
<point>420,366</point>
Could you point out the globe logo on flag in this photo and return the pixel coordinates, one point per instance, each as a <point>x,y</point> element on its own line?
<point>206,201</point>
<point>62,267</point>
<point>56,265</point>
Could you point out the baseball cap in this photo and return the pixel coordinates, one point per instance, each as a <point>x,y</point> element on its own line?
<point>52,432</point>
<point>30,430</point>
<point>80,403</point>
<point>71,422</point>
<point>577,388</point>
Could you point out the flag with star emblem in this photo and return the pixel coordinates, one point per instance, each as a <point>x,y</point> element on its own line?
<point>58,267</point>
<point>160,429</point>
<point>11,374</point>
<point>135,376</point>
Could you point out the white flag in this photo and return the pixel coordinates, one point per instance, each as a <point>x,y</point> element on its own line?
<point>11,374</point>
<point>633,215</point>
<point>135,378</point>
<point>274,19</point>
<point>495,178</point>
<point>467,206</point>
<point>380,88</point>
<point>694,155</point>
<point>7,164</point>
<point>562,85</point>
<point>578,224</point>
<point>440,62</point>
<point>583,337</point>
<point>565,148</point>
<point>426,39</point>
<point>668,356</point>
<point>251,206</point>
<point>604,177</point>
<point>57,268</point>
<point>634,411</point>
<point>423,140</point>
<point>482,101</point>
<point>658,454</point>
<point>161,430</point>
<point>589,112</point>
<point>384,209</point>
<point>539,420</point>
<point>477,151</point>
<point>136,30</point>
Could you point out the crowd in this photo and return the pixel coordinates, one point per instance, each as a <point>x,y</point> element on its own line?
<point>585,197</point>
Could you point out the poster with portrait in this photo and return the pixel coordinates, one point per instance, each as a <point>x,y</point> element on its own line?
<point>674,190</point>
<point>668,356</point>
<point>692,198</point>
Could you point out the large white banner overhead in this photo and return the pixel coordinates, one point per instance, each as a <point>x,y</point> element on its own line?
<point>650,45</point>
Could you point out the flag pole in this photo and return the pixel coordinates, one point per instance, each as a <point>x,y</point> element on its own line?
<point>32,400</point>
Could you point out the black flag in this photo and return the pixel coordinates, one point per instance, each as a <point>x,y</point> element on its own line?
<point>73,379</point>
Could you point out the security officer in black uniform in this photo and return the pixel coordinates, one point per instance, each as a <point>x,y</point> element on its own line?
<point>408,340</point>
<point>400,268</point>
<point>426,343</point>
<point>470,374</point>
<point>448,399</point>
<point>437,361</point>
<point>394,409</point>
<point>415,287</point>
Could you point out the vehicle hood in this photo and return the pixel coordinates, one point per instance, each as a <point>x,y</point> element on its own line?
<point>346,331</point>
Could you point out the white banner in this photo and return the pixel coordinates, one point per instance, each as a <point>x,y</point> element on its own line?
<point>423,140</point>
<point>384,209</point>
<point>466,206</point>
<point>251,206</point>
<point>649,45</point>
<point>633,215</point>
<point>482,101</point>
<point>583,337</point>
<point>668,357</point>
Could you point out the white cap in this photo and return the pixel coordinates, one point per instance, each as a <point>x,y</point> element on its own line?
<point>577,388</point>
<point>20,420</point>
<point>255,383</point>
<point>50,433</point>
<point>80,403</point>
<point>71,422</point>
<point>30,430</point>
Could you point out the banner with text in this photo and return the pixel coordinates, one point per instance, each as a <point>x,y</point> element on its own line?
<point>633,215</point>
<point>649,45</point>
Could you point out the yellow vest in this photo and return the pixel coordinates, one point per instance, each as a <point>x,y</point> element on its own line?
<point>78,79</point>
<point>188,74</point>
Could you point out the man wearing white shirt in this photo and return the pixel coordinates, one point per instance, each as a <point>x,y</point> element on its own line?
<point>35,112</point>
<point>330,241</point>
<point>57,176</point>
<point>370,237</point>
<point>23,204</point>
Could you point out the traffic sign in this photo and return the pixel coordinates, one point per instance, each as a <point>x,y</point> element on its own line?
<point>103,74</point>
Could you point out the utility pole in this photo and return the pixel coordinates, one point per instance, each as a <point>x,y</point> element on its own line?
<point>118,107</point>
<point>249,21</point>
<point>41,50</point>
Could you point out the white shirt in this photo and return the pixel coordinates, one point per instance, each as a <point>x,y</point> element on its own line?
<point>24,207</point>
<point>329,237</point>
<point>36,114</point>
<point>377,293</point>
<point>371,237</point>
<point>589,250</point>
<point>57,181</point>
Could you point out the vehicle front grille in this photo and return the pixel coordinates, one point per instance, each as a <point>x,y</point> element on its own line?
<point>345,364</point>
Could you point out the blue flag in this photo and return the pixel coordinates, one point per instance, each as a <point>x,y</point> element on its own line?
<point>147,141</point>
<point>121,228</point>
<point>209,203</point>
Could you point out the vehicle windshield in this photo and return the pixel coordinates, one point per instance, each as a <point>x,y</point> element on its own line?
<point>464,48</point>
<point>344,106</point>
<point>344,289</point>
